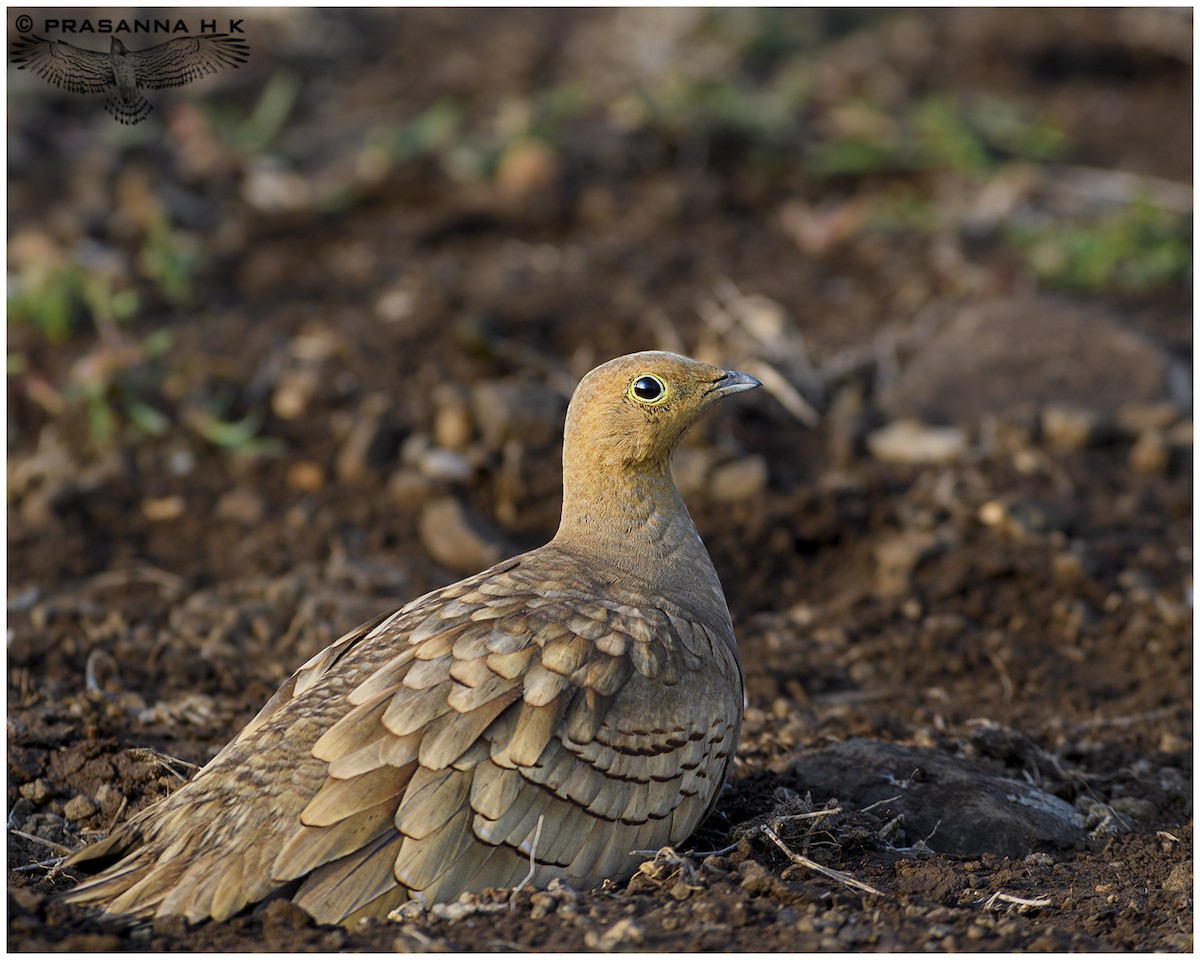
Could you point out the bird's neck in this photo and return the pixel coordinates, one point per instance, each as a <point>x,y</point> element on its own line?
<point>634,518</point>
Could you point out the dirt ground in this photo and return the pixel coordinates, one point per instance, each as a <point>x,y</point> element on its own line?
<point>270,377</point>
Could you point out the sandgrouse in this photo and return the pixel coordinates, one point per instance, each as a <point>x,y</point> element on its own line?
<point>569,706</point>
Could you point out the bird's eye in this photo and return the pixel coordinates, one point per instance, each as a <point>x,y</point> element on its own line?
<point>648,389</point>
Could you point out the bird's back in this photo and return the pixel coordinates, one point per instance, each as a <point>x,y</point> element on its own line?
<point>540,708</point>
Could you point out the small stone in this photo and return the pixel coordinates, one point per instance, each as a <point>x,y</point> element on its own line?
<point>1135,418</point>
<point>526,172</point>
<point>294,391</point>
<point>108,799</point>
<point>306,476</point>
<point>1180,879</point>
<point>1070,427</point>
<point>1077,616</point>
<point>992,513</point>
<point>1025,518</point>
<point>366,438</point>
<point>1137,583</point>
<point>1150,453</point>
<point>162,509</point>
<point>452,422</point>
<point>541,904</point>
<point>1136,807</point>
<point>528,412</point>
<point>37,791</point>
<point>447,465</point>
<point>690,468</point>
<point>740,480</point>
<point>910,441</point>
<point>241,505</point>
<point>623,933</point>
<point>846,419</point>
<point>408,489</point>
<point>395,305</point>
<point>1180,435</point>
<point>408,910</point>
<point>896,559</point>
<point>1072,566</point>
<point>78,807</point>
<point>269,187</point>
<point>456,538</point>
<point>1169,742</point>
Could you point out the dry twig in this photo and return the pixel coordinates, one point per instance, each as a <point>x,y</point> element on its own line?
<point>991,903</point>
<point>164,760</point>
<point>800,860</point>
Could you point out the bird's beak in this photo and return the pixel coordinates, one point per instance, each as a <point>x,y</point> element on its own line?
<point>734,382</point>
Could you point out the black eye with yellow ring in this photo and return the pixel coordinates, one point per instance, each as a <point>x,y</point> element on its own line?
<point>648,389</point>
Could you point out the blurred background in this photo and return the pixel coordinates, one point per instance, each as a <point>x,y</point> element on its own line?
<point>298,346</point>
<point>382,207</point>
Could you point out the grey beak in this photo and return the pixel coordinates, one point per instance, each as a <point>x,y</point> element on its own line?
<point>734,382</point>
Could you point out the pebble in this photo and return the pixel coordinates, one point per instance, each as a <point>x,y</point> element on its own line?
<point>451,420</point>
<point>1180,435</point>
<point>526,172</point>
<point>622,934</point>
<point>270,188</point>
<point>447,465</point>
<point>457,539</point>
<point>1070,427</point>
<point>898,557</point>
<point>395,305</point>
<point>739,480</point>
<point>846,419</point>
<point>690,468</point>
<point>1022,350</point>
<point>1136,807</point>
<point>1180,879</point>
<point>108,799</point>
<point>1072,566</point>
<point>78,807</point>
<point>162,509</point>
<point>364,437</point>
<point>408,488</point>
<point>1024,518</point>
<point>528,412</point>
<point>36,791</point>
<point>241,505</point>
<point>293,392</point>
<point>1077,616</point>
<point>910,441</point>
<point>542,904</point>
<point>306,476</point>
<point>1150,453</point>
<point>1133,419</point>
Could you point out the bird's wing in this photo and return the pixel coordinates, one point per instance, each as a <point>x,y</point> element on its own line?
<point>514,701</point>
<point>442,747</point>
<point>63,64</point>
<point>184,59</point>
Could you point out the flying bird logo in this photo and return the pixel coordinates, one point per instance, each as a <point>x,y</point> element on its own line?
<point>121,73</point>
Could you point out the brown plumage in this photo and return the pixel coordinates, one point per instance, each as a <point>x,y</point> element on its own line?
<point>592,685</point>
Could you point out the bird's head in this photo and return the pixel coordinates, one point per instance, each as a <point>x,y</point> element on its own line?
<point>117,47</point>
<point>631,412</point>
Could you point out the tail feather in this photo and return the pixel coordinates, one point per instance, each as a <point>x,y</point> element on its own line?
<point>109,886</point>
<point>142,898</point>
<point>128,110</point>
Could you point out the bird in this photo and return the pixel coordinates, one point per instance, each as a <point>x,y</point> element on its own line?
<point>547,718</point>
<point>121,73</point>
